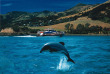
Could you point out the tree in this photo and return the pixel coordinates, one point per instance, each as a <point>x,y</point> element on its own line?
<point>105,31</point>
<point>95,29</point>
<point>87,27</point>
<point>71,28</point>
<point>16,28</point>
<point>67,26</point>
<point>81,29</point>
<point>25,29</point>
<point>61,14</point>
<point>34,30</point>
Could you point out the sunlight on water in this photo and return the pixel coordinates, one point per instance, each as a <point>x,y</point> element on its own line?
<point>64,65</point>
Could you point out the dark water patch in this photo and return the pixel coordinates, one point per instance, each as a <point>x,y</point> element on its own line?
<point>77,55</point>
<point>107,56</point>
<point>98,56</point>
<point>16,55</point>
<point>100,67</point>
<point>107,50</point>
<point>25,56</point>
<point>108,70</point>
<point>7,53</point>
<point>6,65</point>
<point>94,72</point>
<point>22,46</point>
<point>71,47</point>
<point>3,46</point>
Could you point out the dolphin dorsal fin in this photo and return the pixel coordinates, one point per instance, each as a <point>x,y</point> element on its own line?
<point>62,43</point>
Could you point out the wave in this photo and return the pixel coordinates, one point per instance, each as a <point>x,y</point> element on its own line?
<point>25,36</point>
<point>4,36</point>
<point>5,65</point>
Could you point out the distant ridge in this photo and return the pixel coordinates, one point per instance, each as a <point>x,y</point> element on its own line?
<point>80,7</point>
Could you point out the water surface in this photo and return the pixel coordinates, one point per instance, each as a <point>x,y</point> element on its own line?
<point>21,55</point>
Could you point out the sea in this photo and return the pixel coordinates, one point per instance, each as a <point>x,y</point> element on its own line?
<point>21,55</point>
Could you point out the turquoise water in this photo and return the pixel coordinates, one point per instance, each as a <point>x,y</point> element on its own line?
<point>21,55</point>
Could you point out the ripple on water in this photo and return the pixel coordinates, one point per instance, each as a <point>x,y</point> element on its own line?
<point>90,53</point>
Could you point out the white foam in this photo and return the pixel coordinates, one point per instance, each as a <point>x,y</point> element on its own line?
<point>4,36</point>
<point>25,36</point>
<point>64,65</point>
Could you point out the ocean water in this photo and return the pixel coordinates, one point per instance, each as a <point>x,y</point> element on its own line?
<point>21,55</point>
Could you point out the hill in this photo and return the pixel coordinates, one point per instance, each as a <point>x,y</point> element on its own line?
<point>19,15</point>
<point>98,15</point>
<point>79,8</point>
<point>95,15</point>
<point>76,9</point>
<point>81,20</point>
<point>21,18</point>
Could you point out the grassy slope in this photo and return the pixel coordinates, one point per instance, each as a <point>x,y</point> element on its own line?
<point>81,20</point>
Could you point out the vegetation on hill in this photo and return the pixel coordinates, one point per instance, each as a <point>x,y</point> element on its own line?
<point>21,21</point>
<point>102,13</point>
<point>85,29</point>
<point>78,8</point>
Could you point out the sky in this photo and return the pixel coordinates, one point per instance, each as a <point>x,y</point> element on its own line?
<point>41,5</point>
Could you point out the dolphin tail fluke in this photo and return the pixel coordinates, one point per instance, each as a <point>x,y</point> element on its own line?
<point>69,59</point>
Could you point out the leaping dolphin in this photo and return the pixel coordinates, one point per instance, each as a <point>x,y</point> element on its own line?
<point>56,47</point>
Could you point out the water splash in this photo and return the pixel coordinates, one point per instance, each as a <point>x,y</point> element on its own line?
<point>64,65</point>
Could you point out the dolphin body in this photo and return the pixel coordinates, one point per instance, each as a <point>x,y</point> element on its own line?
<point>56,47</point>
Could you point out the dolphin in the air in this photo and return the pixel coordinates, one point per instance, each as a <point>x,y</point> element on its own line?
<point>56,47</point>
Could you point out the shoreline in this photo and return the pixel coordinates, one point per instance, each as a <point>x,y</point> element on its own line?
<point>34,34</point>
<point>87,34</point>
